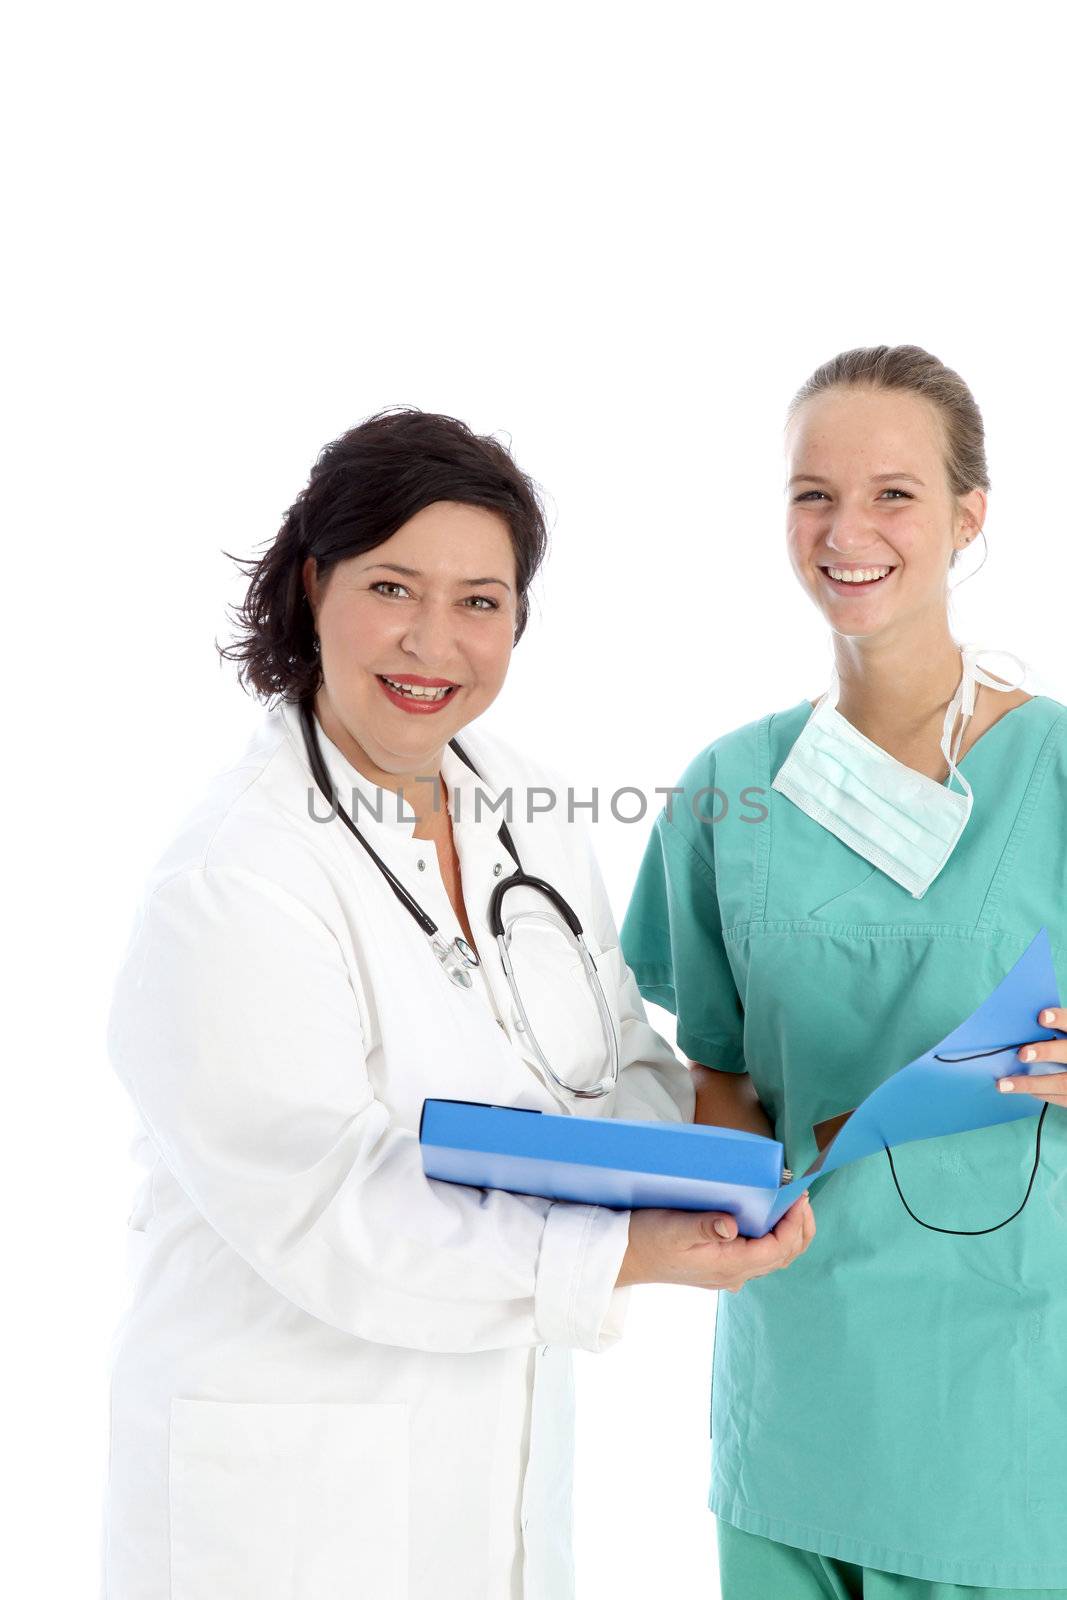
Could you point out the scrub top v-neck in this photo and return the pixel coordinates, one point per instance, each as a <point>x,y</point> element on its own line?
<point>896,1397</point>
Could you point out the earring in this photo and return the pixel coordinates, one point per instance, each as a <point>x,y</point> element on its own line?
<point>315,644</point>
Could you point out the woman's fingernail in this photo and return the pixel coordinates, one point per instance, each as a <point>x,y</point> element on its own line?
<point>1006,1086</point>
<point>1048,1018</point>
<point>1028,1055</point>
<point>722,1229</point>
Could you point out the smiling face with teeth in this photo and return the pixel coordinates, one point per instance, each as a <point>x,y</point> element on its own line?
<point>415,638</point>
<point>872,520</point>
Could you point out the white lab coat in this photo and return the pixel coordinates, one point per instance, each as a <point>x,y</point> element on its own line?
<point>337,1380</point>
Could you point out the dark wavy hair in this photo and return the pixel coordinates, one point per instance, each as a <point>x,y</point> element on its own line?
<point>363,487</point>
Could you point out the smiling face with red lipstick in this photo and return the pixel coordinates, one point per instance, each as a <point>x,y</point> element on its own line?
<point>416,637</point>
<point>872,520</point>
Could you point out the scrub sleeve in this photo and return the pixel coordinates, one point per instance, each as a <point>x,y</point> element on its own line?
<point>897,1398</point>
<point>673,928</point>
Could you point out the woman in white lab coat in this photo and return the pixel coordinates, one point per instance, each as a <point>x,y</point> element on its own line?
<point>336,1378</point>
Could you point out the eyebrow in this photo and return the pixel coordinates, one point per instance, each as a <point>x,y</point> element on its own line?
<point>413,572</point>
<point>880,477</point>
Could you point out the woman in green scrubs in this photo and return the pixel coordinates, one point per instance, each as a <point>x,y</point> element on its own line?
<point>889,1418</point>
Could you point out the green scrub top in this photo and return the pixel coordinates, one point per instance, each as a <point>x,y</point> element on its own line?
<point>896,1398</point>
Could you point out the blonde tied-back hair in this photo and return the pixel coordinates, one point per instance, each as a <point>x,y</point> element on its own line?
<point>910,368</point>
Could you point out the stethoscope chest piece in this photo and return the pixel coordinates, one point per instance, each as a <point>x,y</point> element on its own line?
<point>457,959</point>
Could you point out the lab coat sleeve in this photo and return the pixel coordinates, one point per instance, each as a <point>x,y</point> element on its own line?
<point>235,1028</point>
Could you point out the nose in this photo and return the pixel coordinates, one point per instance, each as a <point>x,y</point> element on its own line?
<point>429,636</point>
<point>847,533</point>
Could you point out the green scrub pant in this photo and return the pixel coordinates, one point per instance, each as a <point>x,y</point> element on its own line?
<point>754,1568</point>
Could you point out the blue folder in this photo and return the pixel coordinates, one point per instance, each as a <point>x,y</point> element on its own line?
<point>602,1161</point>
<point>950,1088</point>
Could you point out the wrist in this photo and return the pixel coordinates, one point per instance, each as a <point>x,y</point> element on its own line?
<point>634,1267</point>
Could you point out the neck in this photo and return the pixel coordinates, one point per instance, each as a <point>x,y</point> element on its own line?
<point>423,792</point>
<point>893,687</point>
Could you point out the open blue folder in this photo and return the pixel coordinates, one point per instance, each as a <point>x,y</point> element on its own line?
<point>951,1088</point>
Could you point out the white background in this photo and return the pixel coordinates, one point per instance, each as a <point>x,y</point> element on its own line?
<point>621,236</point>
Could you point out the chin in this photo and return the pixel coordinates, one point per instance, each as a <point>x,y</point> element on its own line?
<point>857,619</point>
<point>857,629</point>
<point>408,749</point>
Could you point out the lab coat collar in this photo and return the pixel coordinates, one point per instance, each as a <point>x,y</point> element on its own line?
<point>472,797</point>
<point>369,806</point>
<point>473,801</point>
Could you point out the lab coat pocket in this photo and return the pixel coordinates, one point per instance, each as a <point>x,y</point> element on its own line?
<point>304,1500</point>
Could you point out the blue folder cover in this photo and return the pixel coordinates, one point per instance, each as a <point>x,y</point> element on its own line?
<point>950,1088</point>
<point>602,1161</point>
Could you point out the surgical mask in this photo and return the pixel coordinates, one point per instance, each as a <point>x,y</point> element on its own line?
<point>902,822</point>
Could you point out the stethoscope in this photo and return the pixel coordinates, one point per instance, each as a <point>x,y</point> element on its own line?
<point>456,956</point>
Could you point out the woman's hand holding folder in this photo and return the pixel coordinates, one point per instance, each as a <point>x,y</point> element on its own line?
<point>703,1248</point>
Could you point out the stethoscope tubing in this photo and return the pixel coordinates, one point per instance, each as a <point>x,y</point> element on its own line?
<point>322,778</point>
<point>517,879</point>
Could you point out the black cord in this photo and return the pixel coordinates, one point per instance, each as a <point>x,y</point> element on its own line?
<point>973,1232</point>
<point>980,1055</point>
